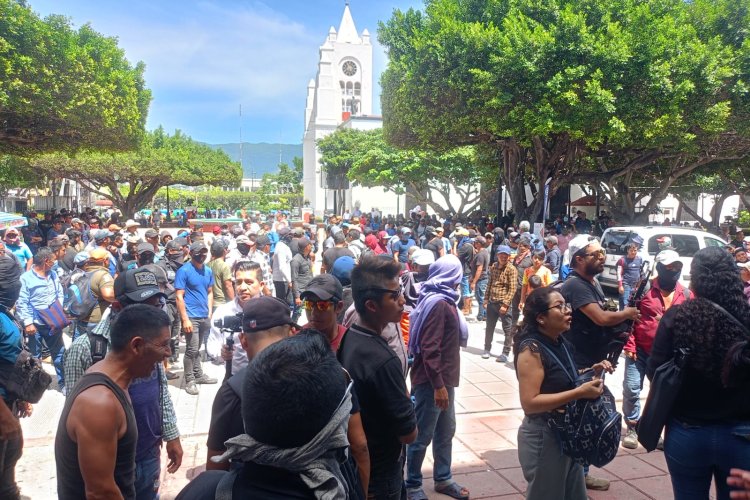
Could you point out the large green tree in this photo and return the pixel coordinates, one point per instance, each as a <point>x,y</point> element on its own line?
<point>561,91</point>
<point>448,182</point>
<point>131,179</point>
<point>65,89</point>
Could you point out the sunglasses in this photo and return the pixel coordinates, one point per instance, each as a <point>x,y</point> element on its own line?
<point>320,305</point>
<point>395,294</point>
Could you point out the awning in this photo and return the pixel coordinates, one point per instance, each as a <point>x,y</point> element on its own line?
<point>103,203</point>
<point>584,201</point>
<point>8,220</point>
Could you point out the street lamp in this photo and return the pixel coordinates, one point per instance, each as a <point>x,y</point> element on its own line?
<point>169,211</point>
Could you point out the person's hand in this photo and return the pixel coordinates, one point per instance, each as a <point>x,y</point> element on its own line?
<point>174,453</point>
<point>298,302</point>
<point>441,398</point>
<point>504,309</point>
<point>226,352</point>
<point>621,289</point>
<point>632,313</point>
<point>485,304</point>
<point>10,427</point>
<point>187,326</point>
<point>591,390</point>
<point>739,479</point>
<point>24,409</point>
<point>30,330</point>
<point>601,366</point>
<point>633,356</point>
<point>520,306</point>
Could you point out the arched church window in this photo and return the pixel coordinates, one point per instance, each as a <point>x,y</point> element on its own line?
<point>343,85</point>
<point>348,106</point>
<point>357,89</point>
<point>349,88</point>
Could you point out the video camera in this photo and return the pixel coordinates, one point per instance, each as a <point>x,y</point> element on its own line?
<point>229,325</point>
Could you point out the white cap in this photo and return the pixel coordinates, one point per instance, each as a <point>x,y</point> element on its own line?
<point>667,257</point>
<point>423,257</point>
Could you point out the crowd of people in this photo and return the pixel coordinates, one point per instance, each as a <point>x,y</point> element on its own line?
<point>347,404</point>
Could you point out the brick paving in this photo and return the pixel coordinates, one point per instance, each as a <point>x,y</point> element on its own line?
<point>485,458</point>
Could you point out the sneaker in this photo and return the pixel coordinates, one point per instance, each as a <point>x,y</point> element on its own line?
<point>486,355</point>
<point>191,389</point>
<point>596,484</point>
<point>660,444</point>
<point>171,375</point>
<point>205,379</point>
<point>631,440</point>
<point>481,318</point>
<point>502,359</point>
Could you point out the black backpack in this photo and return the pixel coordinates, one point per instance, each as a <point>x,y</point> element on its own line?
<point>79,298</point>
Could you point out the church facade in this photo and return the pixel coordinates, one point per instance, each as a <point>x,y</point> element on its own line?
<point>341,96</point>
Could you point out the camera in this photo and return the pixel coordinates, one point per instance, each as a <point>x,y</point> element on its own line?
<point>229,323</point>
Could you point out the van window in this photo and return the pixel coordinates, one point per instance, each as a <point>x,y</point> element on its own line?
<point>713,242</point>
<point>686,245</point>
<point>616,241</point>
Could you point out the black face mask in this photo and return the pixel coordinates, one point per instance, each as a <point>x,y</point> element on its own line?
<point>200,258</point>
<point>176,259</point>
<point>243,248</point>
<point>667,279</point>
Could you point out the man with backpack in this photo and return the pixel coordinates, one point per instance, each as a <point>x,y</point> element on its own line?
<point>152,403</point>
<point>95,292</point>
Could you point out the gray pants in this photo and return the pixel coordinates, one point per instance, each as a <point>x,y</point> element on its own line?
<point>550,474</point>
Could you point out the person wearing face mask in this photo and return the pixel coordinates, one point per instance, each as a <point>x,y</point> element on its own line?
<point>18,248</point>
<point>666,291</point>
<point>40,288</point>
<point>194,291</point>
<point>170,264</point>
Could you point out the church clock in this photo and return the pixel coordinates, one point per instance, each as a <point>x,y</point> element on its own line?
<point>349,68</point>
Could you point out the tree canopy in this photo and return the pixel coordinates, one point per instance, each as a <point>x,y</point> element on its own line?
<point>571,90</point>
<point>65,89</point>
<point>131,179</point>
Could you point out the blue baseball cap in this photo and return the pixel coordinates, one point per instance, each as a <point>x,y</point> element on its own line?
<point>503,249</point>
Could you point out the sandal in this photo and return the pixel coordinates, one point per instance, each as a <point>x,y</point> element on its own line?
<point>416,495</point>
<point>453,490</point>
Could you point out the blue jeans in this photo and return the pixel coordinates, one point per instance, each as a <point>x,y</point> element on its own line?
<point>465,291</point>
<point>632,385</point>
<point>625,295</point>
<point>479,290</point>
<point>54,342</point>
<point>435,426</point>
<point>697,453</point>
<point>147,475</point>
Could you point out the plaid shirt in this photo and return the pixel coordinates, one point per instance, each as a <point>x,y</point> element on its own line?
<point>78,360</point>
<point>502,284</point>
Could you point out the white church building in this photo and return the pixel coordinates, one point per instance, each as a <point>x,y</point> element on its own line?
<point>341,96</point>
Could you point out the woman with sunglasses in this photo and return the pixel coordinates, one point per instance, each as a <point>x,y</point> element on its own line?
<point>545,388</point>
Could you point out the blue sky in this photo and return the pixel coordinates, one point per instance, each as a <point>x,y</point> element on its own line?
<point>206,57</point>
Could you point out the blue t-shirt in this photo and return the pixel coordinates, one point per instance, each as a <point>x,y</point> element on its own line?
<point>196,283</point>
<point>22,252</point>
<point>10,342</point>
<point>403,249</point>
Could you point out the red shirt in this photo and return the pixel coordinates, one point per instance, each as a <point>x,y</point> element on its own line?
<point>337,340</point>
<point>652,309</point>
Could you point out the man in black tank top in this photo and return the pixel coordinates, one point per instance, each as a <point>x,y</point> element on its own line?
<point>97,434</point>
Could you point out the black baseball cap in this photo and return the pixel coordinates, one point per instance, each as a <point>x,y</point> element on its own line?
<point>144,247</point>
<point>138,285</point>
<point>325,287</point>
<point>152,233</point>
<point>198,247</point>
<point>264,313</point>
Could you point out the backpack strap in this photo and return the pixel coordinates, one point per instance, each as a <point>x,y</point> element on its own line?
<point>99,346</point>
<point>224,488</point>
<point>567,370</point>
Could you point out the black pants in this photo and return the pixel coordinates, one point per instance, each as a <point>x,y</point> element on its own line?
<point>192,360</point>
<point>493,314</point>
<point>387,482</point>
<point>284,292</point>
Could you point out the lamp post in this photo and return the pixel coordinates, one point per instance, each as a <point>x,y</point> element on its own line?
<point>169,211</point>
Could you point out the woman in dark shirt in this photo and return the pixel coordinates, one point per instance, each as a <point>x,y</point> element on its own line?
<point>544,387</point>
<point>709,430</point>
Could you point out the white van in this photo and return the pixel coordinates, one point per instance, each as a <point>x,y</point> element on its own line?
<point>684,240</point>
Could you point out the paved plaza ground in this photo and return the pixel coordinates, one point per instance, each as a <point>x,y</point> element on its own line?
<point>485,458</point>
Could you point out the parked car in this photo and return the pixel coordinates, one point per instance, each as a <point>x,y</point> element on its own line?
<point>684,240</point>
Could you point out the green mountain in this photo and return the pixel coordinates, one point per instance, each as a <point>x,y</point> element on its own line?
<point>260,158</point>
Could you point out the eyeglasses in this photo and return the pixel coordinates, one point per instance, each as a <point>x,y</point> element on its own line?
<point>562,307</point>
<point>320,305</point>
<point>395,294</point>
